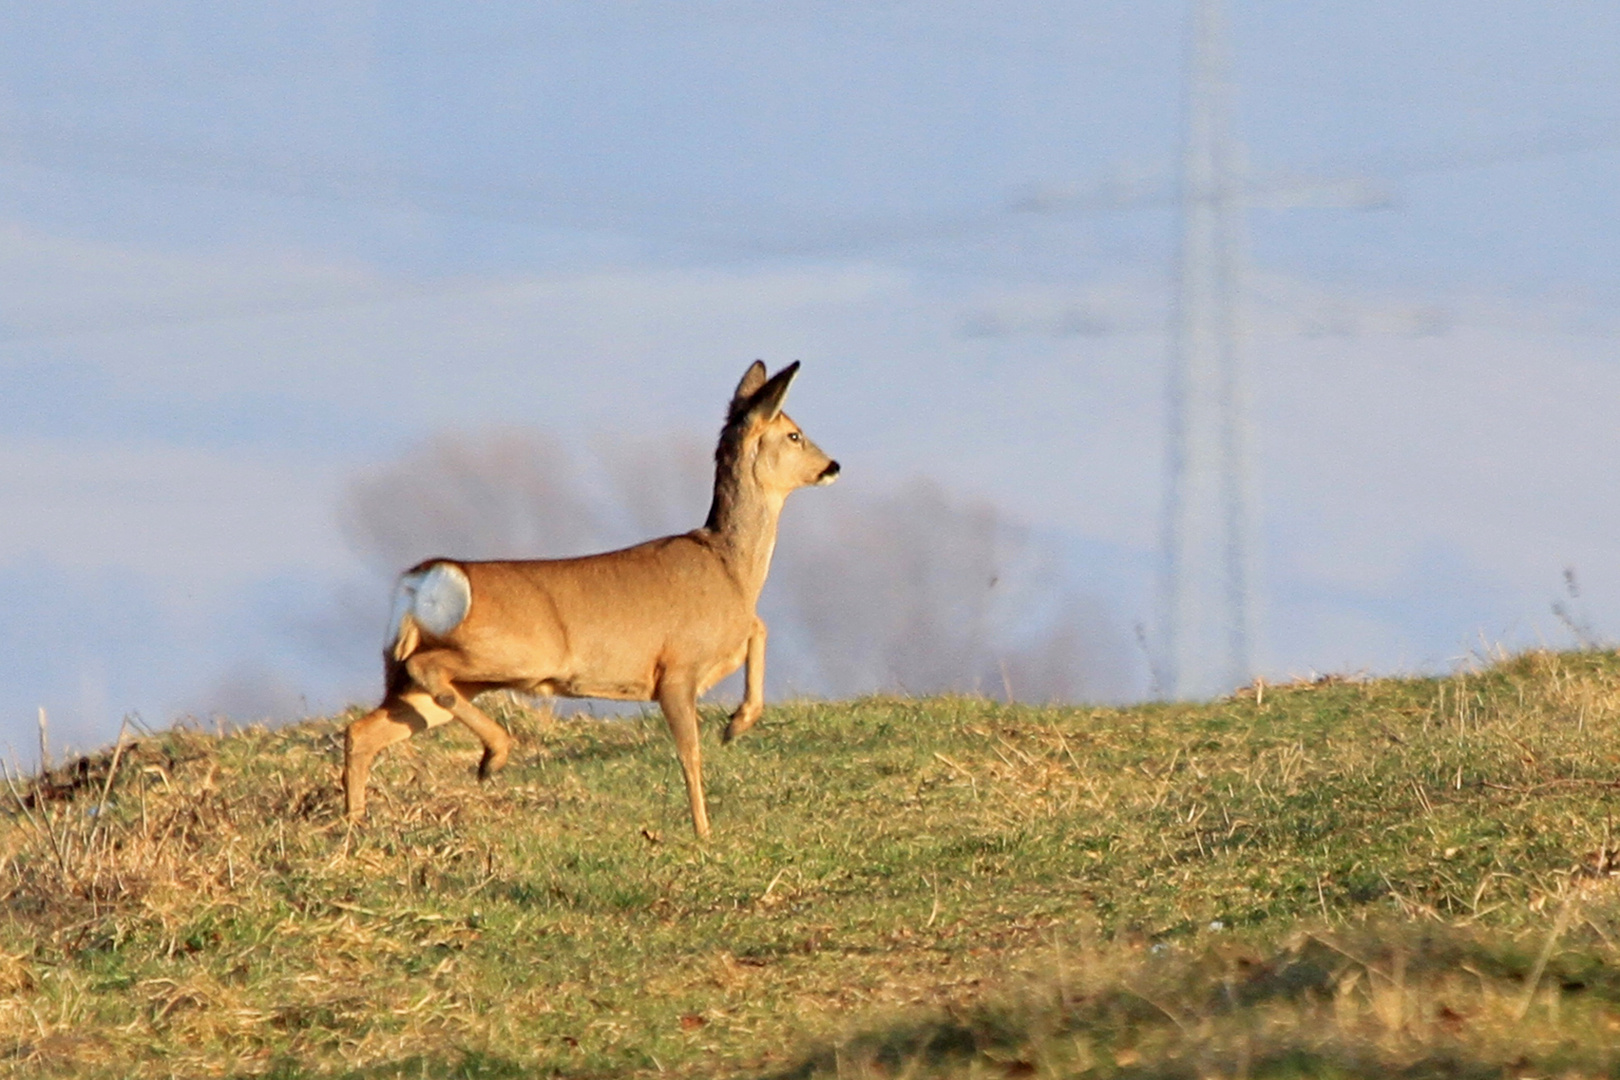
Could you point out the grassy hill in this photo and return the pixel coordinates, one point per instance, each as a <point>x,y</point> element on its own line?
<point>1342,878</point>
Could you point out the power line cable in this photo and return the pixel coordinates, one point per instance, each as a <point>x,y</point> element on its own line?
<point>1337,183</point>
<point>1359,183</point>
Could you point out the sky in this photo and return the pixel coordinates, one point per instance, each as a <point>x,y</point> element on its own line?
<point>254,258</point>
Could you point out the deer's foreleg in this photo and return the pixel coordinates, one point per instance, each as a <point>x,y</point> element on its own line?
<point>753,702</point>
<point>679,702</point>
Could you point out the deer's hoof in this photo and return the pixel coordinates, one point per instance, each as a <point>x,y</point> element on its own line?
<point>738,724</point>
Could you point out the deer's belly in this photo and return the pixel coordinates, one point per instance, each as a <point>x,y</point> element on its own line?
<point>631,689</point>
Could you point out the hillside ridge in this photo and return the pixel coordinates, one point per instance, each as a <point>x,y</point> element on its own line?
<point>1344,877</point>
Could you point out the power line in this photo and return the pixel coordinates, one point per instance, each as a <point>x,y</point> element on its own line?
<point>97,326</point>
<point>1359,183</point>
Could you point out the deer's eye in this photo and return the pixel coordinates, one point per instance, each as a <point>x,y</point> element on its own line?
<point>794,436</point>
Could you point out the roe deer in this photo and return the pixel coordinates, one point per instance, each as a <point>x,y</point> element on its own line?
<point>662,621</point>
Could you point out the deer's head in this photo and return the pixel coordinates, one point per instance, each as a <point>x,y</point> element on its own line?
<point>773,450</point>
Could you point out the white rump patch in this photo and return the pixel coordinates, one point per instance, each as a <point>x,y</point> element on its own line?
<point>438,598</point>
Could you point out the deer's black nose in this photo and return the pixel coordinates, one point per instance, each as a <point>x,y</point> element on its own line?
<point>829,474</point>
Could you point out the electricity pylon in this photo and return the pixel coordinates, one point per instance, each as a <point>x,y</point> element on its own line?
<point>1208,516</point>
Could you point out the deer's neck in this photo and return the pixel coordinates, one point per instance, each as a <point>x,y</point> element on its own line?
<point>742,524</point>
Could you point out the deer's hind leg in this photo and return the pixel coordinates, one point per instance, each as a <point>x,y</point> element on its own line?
<point>395,720</point>
<point>429,671</point>
<point>497,741</point>
<point>431,674</point>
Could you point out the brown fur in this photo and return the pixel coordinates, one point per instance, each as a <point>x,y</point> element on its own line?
<point>662,621</point>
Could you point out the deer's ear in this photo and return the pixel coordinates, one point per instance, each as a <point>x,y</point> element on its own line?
<point>752,380</point>
<point>767,400</point>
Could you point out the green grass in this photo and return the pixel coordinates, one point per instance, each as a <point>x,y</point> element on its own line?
<point>1391,877</point>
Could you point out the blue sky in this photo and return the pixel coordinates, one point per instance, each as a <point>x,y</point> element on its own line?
<point>251,254</point>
